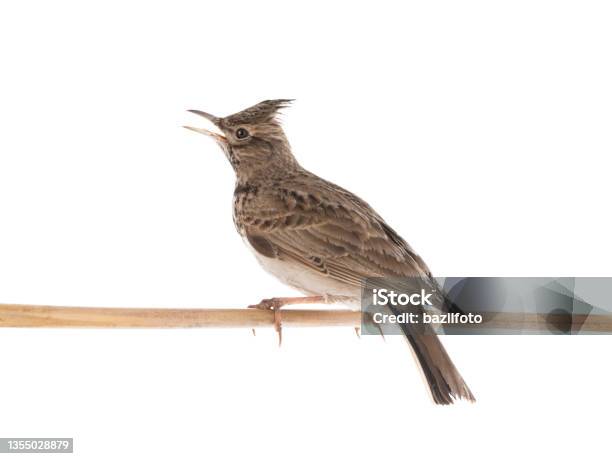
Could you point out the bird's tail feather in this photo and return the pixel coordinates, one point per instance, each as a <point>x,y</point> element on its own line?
<point>445,382</point>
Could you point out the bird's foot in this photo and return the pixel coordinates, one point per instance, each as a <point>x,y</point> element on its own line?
<point>270,304</point>
<point>274,304</point>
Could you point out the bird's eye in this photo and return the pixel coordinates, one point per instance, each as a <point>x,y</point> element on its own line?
<point>242,133</point>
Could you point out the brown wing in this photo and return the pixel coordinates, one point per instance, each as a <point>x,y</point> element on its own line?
<point>327,229</point>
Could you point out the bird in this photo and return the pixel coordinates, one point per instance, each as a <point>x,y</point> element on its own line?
<point>316,236</point>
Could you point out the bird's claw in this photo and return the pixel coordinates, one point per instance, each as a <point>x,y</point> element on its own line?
<point>267,304</point>
<point>272,304</point>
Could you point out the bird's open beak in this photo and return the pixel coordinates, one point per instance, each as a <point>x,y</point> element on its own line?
<point>221,140</point>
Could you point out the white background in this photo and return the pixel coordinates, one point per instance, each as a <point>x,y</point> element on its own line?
<point>479,130</point>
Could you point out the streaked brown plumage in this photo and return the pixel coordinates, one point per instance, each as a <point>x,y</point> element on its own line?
<point>314,235</point>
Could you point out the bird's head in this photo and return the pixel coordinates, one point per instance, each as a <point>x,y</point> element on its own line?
<point>253,139</point>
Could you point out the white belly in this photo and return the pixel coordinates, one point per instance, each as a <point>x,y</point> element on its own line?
<point>307,281</point>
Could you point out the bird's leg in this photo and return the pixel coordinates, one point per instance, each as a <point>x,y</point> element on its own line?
<point>275,304</point>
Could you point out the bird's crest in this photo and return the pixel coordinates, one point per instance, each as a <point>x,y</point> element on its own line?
<point>263,112</point>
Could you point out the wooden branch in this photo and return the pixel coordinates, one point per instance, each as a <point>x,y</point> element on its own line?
<point>20,315</point>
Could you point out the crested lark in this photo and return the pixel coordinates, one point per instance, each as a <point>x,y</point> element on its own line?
<point>315,236</point>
